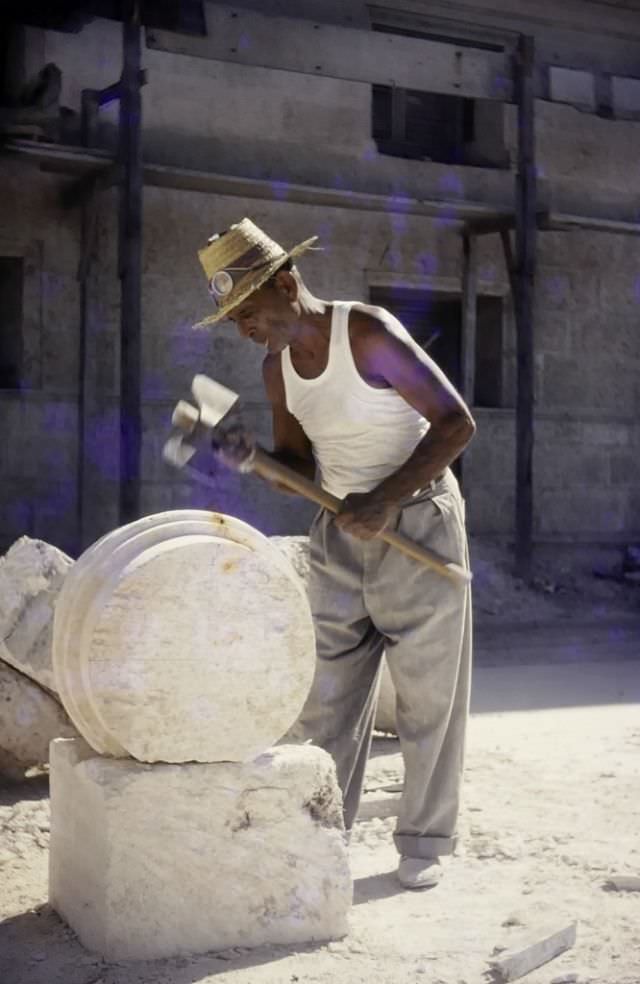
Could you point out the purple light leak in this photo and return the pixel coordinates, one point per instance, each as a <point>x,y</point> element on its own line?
<point>60,498</point>
<point>52,286</point>
<point>103,442</point>
<point>427,263</point>
<point>500,84</point>
<point>556,286</point>
<point>244,43</point>
<point>399,222</point>
<point>154,384</point>
<point>636,290</point>
<point>279,189</point>
<point>451,183</point>
<point>369,153</point>
<point>446,218</point>
<point>395,259</point>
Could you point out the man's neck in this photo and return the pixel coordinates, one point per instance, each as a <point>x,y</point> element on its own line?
<point>311,330</point>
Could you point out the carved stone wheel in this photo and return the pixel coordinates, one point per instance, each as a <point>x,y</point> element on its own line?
<point>185,636</point>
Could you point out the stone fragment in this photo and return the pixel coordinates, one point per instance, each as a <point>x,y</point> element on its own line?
<point>29,719</point>
<point>623,883</point>
<point>296,549</point>
<point>163,860</point>
<point>185,636</point>
<point>514,965</point>
<point>31,575</point>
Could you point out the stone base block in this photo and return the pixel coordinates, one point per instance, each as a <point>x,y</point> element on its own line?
<point>150,861</point>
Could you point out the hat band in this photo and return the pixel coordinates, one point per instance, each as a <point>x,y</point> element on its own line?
<point>222,283</point>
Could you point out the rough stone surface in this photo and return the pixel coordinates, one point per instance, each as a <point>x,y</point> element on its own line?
<point>154,861</point>
<point>30,719</point>
<point>185,636</point>
<point>31,576</point>
<point>296,549</point>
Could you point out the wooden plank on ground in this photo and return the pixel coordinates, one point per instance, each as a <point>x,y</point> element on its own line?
<point>513,966</point>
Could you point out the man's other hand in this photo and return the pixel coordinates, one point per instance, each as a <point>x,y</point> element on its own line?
<point>233,446</point>
<point>364,516</point>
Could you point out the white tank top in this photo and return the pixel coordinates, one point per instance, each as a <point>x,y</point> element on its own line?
<point>360,434</point>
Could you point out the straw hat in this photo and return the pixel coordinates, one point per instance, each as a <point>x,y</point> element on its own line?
<point>239,261</point>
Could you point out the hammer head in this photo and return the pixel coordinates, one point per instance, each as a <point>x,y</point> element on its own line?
<point>193,425</point>
<point>214,399</point>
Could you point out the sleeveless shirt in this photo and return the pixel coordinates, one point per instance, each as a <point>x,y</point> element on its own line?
<point>359,433</point>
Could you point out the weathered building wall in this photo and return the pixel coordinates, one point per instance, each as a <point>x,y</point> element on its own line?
<point>38,450</point>
<point>282,127</point>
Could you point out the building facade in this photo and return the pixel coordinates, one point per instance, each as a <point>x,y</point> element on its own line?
<point>382,174</point>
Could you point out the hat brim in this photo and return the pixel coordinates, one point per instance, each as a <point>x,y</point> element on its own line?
<point>252,285</point>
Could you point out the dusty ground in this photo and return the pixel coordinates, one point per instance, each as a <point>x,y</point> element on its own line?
<point>564,587</point>
<point>552,808</point>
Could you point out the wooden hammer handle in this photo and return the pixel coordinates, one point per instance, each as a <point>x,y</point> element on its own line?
<point>267,467</point>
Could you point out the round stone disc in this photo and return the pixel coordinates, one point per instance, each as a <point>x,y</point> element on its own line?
<point>192,640</point>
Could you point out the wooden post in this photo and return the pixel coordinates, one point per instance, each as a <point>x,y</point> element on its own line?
<point>525,262</point>
<point>130,264</point>
<point>509,261</point>
<point>468,330</point>
<point>469,316</point>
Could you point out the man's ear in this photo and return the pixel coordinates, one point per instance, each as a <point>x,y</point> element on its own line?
<point>287,285</point>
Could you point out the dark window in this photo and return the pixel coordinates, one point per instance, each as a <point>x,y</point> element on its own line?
<point>434,126</point>
<point>11,336</point>
<point>422,125</point>
<point>434,319</point>
<point>181,16</point>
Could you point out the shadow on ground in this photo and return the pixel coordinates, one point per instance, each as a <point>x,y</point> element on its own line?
<point>36,947</point>
<point>15,791</point>
<point>375,887</point>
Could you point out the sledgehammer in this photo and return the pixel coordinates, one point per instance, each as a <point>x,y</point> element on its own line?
<point>195,427</point>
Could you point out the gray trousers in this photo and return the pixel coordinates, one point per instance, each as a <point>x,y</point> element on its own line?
<point>367,598</point>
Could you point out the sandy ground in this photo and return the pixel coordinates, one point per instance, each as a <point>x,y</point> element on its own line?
<point>551,810</point>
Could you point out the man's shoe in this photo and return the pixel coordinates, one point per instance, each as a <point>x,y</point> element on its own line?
<point>419,872</point>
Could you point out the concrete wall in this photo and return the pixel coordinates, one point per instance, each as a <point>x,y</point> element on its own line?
<point>281,127</point>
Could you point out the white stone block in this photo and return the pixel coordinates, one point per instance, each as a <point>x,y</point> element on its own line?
<point>156,861</point>
<point>31,575</point>
<point>185,636</point>
<point>30,719</point>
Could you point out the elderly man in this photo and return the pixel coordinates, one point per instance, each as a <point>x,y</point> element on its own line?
<point>356,400</point>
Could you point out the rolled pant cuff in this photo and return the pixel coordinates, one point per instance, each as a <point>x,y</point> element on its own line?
<point>414,846</point>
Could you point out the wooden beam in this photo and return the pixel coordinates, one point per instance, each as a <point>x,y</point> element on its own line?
<point>290,44</point>
<point>564,222</point>
<point>525,264</point>
<point>469,316</point>
<point>509,261</point>
<point>486,225</point>
<point>130,265</point>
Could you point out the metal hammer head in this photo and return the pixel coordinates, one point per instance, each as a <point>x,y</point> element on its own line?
<point>214,399</point>
<point>193,425</point>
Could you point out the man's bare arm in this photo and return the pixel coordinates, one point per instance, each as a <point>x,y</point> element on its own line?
<point>382,355</point>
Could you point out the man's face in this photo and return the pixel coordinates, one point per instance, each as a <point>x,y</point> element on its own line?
<point>263,317</point>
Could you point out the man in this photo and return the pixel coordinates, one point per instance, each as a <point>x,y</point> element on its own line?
<point>355,398</point>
